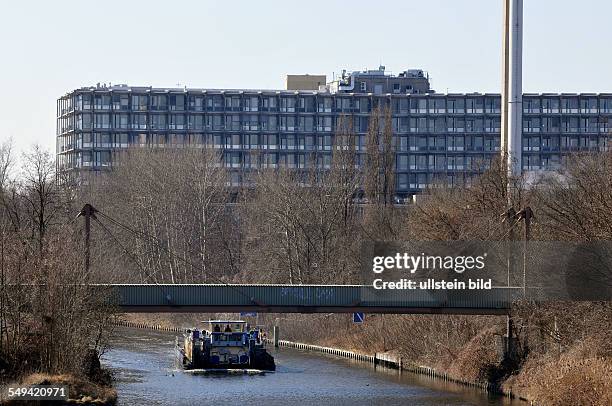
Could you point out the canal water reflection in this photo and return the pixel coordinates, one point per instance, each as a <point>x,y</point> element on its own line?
<point>145,372</point>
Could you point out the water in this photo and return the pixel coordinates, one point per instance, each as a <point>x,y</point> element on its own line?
<point>146,374</point>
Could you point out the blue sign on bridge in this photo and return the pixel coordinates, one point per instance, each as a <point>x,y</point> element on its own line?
<point>358,317</point>
<point>248,314</point>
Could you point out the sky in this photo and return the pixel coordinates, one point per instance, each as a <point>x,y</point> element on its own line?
<point>48,48</point>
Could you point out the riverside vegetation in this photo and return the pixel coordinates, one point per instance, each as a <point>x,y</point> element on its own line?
<point>52,328</point>
<point>188,221</point>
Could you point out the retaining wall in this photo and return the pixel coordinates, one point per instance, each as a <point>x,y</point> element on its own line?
<point>394,361</point>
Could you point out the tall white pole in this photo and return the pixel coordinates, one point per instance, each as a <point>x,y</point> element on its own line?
<point>515,87</point>
<point>505,78</point>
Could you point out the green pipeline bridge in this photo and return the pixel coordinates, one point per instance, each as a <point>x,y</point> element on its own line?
<point>187,298</point>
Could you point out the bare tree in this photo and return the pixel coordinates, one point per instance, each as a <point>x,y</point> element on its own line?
<point>48,314</point>
<point>379,177</point>
<point>301,224</point>
<point>175,203</point>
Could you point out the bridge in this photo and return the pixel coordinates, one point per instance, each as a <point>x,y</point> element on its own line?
<point>200,298</point>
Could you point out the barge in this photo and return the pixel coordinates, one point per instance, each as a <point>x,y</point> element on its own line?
<point>224,345</point>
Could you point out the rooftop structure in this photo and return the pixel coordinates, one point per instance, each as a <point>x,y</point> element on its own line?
<point>378,81</point>
<point>305,82</point>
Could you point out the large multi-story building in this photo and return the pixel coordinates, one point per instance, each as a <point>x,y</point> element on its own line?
<point>437,135</point>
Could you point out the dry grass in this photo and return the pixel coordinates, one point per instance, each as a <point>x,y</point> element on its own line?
<point>79,390</point>
<point>476,358</point>
<point>579,376</point>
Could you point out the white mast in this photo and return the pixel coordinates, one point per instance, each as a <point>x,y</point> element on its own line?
<point>512,85</point>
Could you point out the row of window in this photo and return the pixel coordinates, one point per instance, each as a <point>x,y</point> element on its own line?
<point>440,143</point>
<point>253,122</point>
<point>425,169</point>
<point>420,105</point>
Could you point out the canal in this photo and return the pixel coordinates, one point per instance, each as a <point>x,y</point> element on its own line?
<point>142,362</point>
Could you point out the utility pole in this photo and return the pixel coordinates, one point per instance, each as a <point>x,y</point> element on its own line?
<point>88,211</point>
<point>512,122</point>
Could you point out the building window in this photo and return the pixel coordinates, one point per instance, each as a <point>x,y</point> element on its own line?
<point>177,122</point>
<point>102,140</point>
<point>306,104</point>
<point>270,104</point>
<point>159,102</point>
<point>531,125</point>
<point>550,105</point>
<point>196,103</point>
<point>569,124</point>
<point>251,104</point>
<point>121,121</point>
<point>139,121</point>
<point>232,122</point>
<point>101,121</point>
<point>569,105</point>
<point>158,121</point>
<point>287,104</point>
<point>232,103</point>
<point>139,102</point>
<point>121,101</point>
<point>269,123</point>
<point>492,125</point>
<point>437,125</point>
<point>324,105</point>
<point>102,102</point>
<point>177,102</point>
<point>251,141</point>
<point>456,124</point>
<point>551,124</point>
<point>196,122</point>
<point>120,140</point>
<point>402,162</point>
<point>324,124</point>
<point>492,105</point>
<point>85,101</point>
<point>343,104</point>
<point>531,106</point>
<point>605,105</point>
<point>474,105</point>
<point>87,140</point>
<point>437,106</point>
<point>588,105</point>
<point>325,143</point>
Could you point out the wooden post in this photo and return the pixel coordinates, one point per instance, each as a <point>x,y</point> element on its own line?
<point>88,211</point>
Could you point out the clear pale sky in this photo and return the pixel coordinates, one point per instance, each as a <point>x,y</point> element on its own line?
<point>50,47</point>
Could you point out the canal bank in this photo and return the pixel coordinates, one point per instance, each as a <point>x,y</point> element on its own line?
<point>394,361</point>
<point>142,362</point>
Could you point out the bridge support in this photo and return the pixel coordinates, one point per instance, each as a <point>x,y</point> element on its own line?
<point>276,333</point>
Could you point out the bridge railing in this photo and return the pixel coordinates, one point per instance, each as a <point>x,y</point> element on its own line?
<point>308,298</point>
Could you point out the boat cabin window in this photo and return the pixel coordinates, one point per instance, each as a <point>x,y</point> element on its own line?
<point>223,337</point>
<point>218,326</point>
